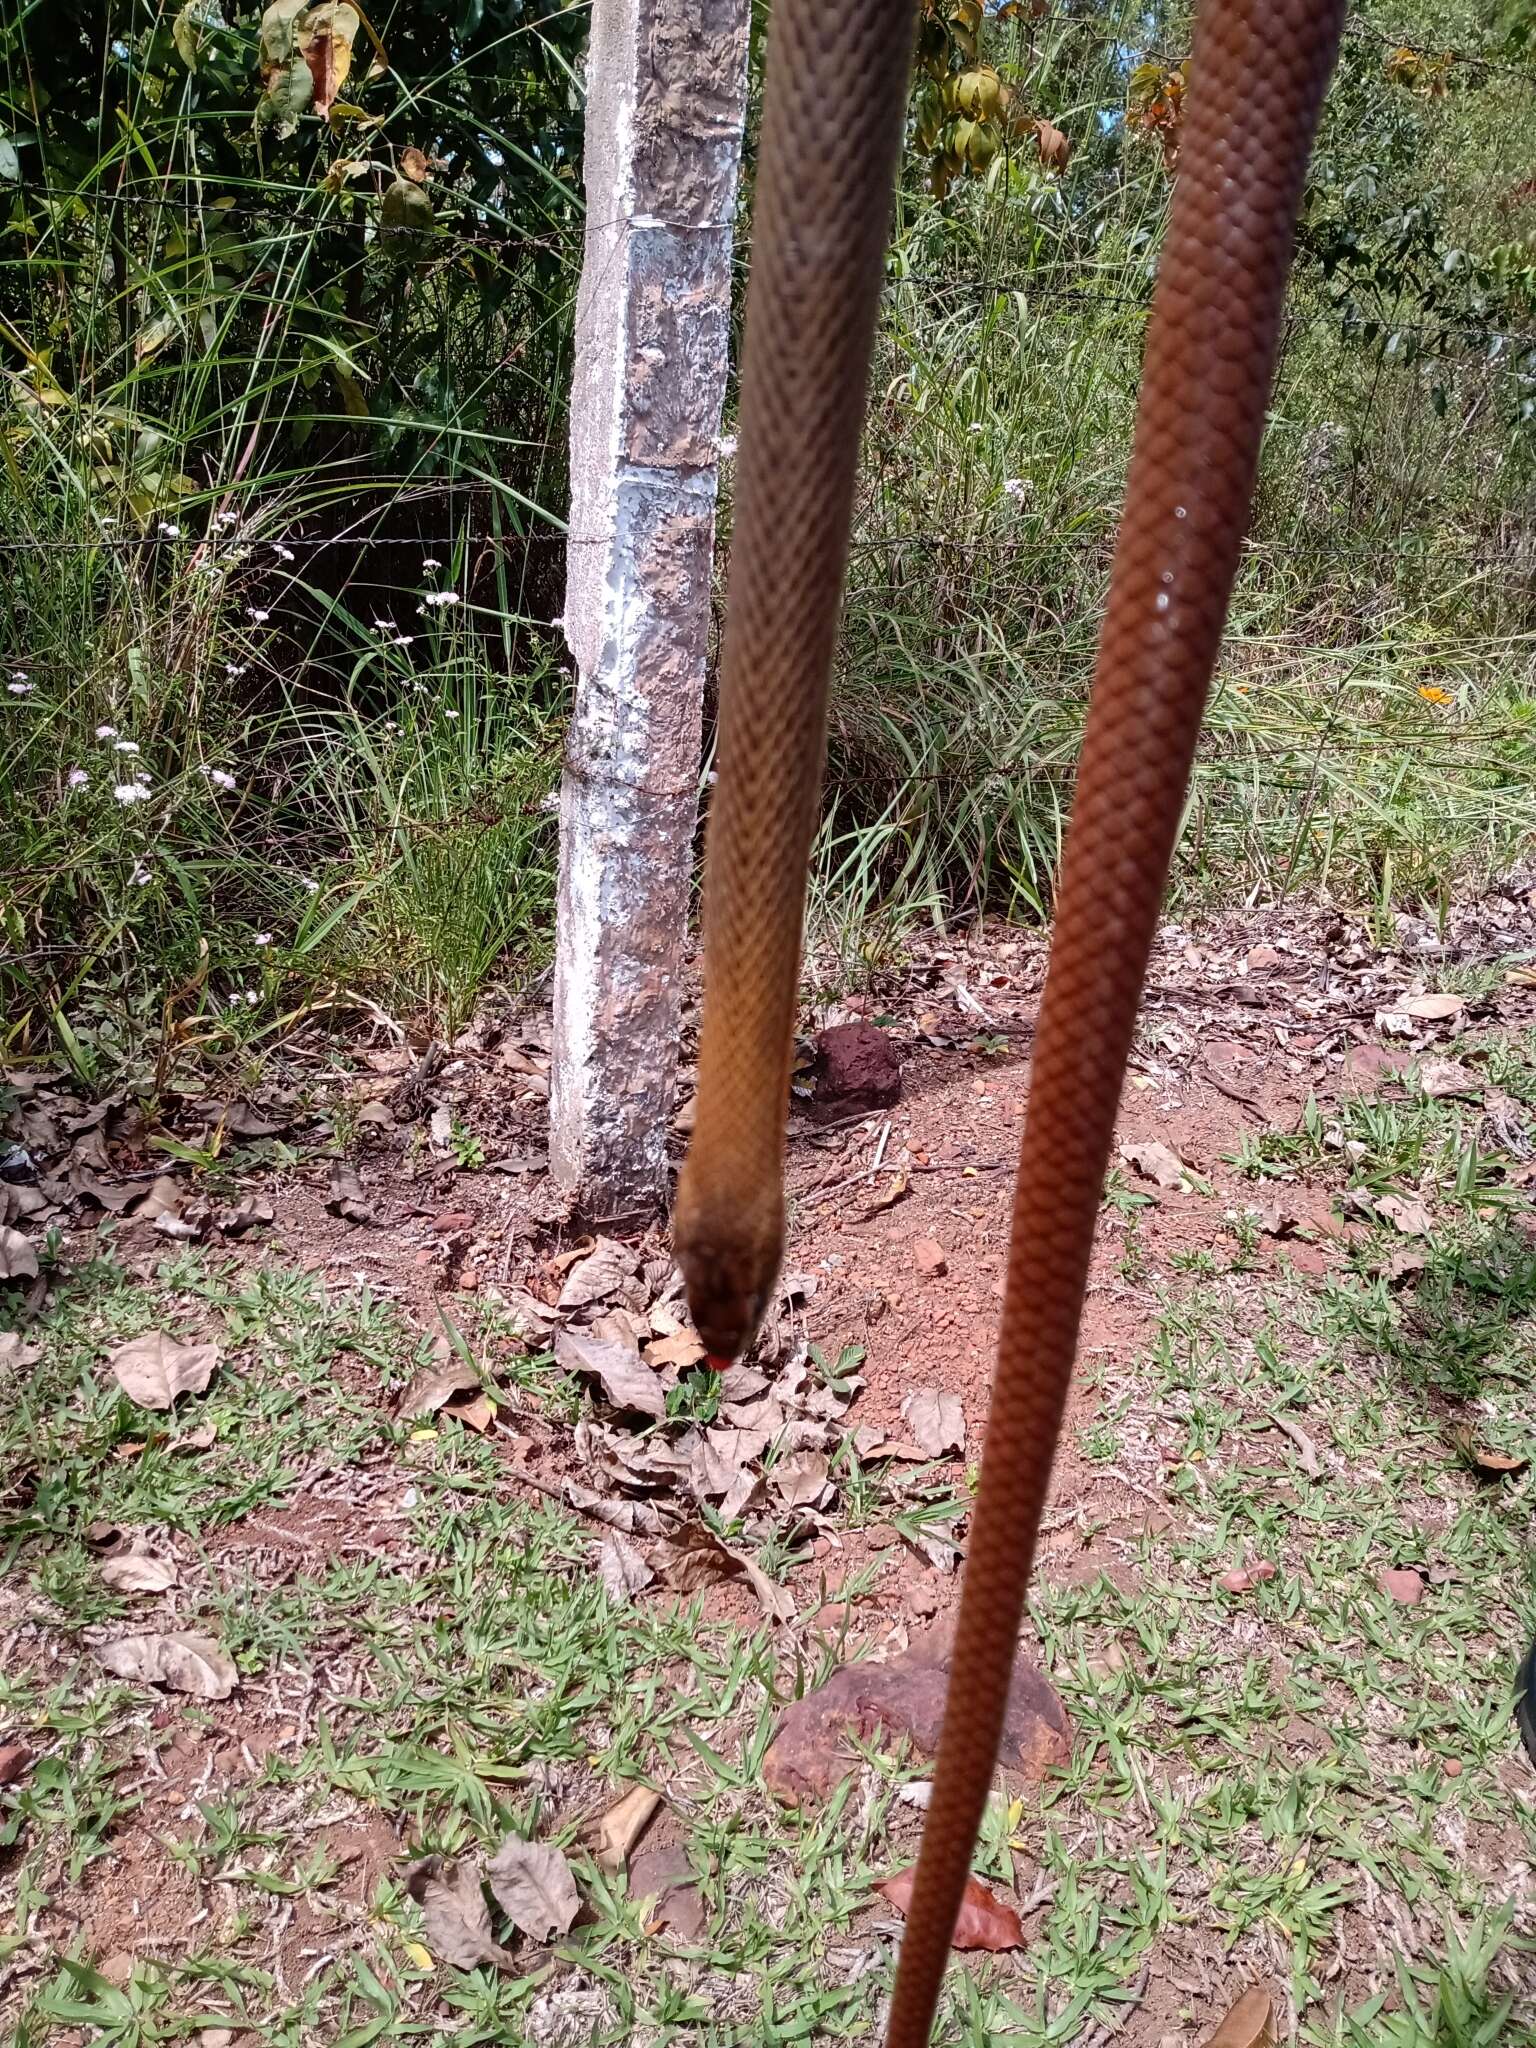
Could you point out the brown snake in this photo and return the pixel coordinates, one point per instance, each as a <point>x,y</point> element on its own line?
<point>832,125</point>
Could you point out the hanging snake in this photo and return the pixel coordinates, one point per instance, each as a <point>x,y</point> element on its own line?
<point>834,107</point>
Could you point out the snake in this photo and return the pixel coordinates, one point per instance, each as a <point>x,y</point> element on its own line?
<point>834,106</point>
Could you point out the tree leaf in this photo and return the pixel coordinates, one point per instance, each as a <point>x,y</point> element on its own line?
<point>139,1568</point>
<point>599,1276</point>
<point>153,1370</point>
<point>18,1257</point>
<point>1434,1009</point>
<point>436,1384</point>
<point>607,1352</point>
<point>1406,1213</point>
<point>621,1567</point>
<point>414,165</point>
<point>324,36</point>
<point>454,1915</point>
<point>1250,2023</point>
<point>616,1832</point>
<point>985,1921</point>
<point>186,1663</point>
<point>936,1421</point>
<point>1154,1161</point>
<point>533,1885</point>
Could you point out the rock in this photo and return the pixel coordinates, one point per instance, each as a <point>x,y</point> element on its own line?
<point>451,1222</point>
<point>1402,1585</point>
<point>1263,959</point>
<point>856,1069</point>
<point>812,1753</point>
<point>928,1257</point>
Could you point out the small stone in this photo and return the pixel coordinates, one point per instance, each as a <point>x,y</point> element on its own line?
<point>1261,959</point>
<point>1400,1584</point>
<point>216,2037</point>
<point>1244,1581</point>
<point>450,1221</point>
<point>856,1069</point>
<point>922,1600</point>
<point>1451,1767</point>
<point>928,1257</point>
<point>116,1968</point>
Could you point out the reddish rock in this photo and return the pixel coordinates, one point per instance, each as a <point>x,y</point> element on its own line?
<point>1262,959</point>
<point>1451,1767</point>
<point>451,1221</point>
<point>14,1759</point>
<point>1245,1581</point>
<point>928,1257</point>
<point>812,1750</point>
<point>856,1070</point>
<point>1402,1585</point>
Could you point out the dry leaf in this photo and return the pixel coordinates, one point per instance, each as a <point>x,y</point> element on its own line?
<point>533,1885</point>
<point>696,1557</point>
<point>413,165</point>
<point>154,1369</point>
<point>1154,1161</point>
<point>161,1198</point>
<point>454,1915</point>
<point>608,1353</point>
<point>629,1517</point>
<point>1489,1464</point>
<point>18,1259</point>
<point>15,1354</point>
<point>1054,147</point>
<point>1441,1078</point>
<point>477,1413</point>
<point>1406,1213</point>
<point>1306,1450</point>
<point>615,1834</point>
<point>1244,1580</point>
<point>936,1422</point>
<point>1249,2024</point>
<point>664,1873</point>
<point>186,1663</point>
<point>621,1567</point>
<point>139,1568</point>
<point>435,1385</point>
<point>606,1269</point>
<point>14,1760</point>
<point>346,1198</point>
<point>1434,1009</point>
<point>985,1921</point>
<point>900,1184</point>
<point>679,1351</point>
<point>800,1480</point>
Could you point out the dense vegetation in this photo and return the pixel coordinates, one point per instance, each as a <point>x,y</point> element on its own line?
<point>283,484</point>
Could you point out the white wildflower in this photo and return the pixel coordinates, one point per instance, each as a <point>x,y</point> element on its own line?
<point>727,447</point>
<point>251,997</point>
<point>431,562</point>
<point>234,668</point>
<point>170,532</point>
<point>450,714</point>
<point>78,779</point>
<point>106,732</point>
<point>256,615</point>
<point>19,689</point>
<point>1017,488</point>
<point>141,876</point>
<point>263,938</point>
<point>439,597</point>
<point>221,778</point>
<point>283,554</point>
<point>125,746</point>
<point>18,675</point>
<point>309,885</point>
<point>130,792</point>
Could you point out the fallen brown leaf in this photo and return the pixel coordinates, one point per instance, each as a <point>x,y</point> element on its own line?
<point>15,1353</point>
<point>1155,1161</point>
<point>18,1258</point>
<point>800,1480</point>
<point>455,1918</point>
<point>621,1567</point>
<point>984,1921</point>
<point>1250,2023</point>
<point>1441,1078</point>
<point>186,1663</point>
<point>1405,1213</point>
<point>614,1834</point>
<point>630,1517</point>
<point>607,1352</point>
<point>1306,1450</point>
<point>435,1385</point>
<point>533,1885</point>
<point>1434,1009</point>
<point>14,1759</point>
<point>665,1875</point>
<point>896,1188</point>
<point>936,1421</point>
<point>603,1273</point>
<point>696,1557</point>
<point>680,1351</point>
<point>1489,1464</point>
<point>477,1412</point>
<point>139,1568</point>
<point>1244,1580</point>
<point>346,1198</point>
<point>154,1370</point>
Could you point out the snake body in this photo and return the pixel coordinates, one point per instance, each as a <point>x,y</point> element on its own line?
<point>832,125</point>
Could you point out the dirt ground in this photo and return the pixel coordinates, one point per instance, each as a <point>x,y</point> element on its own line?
<point>411,1177</point>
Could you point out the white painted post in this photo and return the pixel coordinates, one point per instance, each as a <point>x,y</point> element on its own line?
<point>666,94</point>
